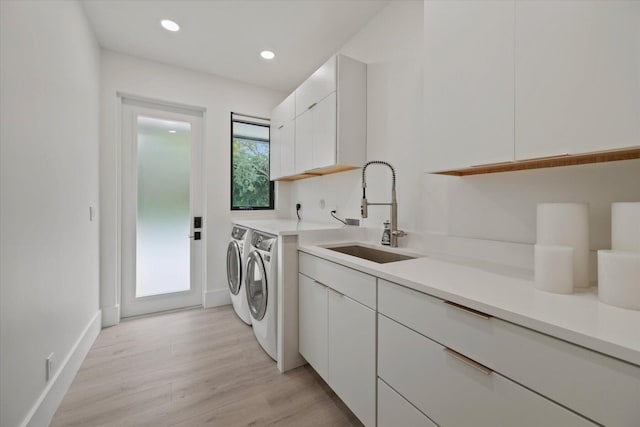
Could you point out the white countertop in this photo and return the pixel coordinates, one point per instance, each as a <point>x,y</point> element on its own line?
<point>286,227</point>
<point>509,294</point>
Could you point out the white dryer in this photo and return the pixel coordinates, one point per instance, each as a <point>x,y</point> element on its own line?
<point>261,284</point>
<point>237,252</point>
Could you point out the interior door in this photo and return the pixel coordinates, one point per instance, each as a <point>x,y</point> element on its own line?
<point>162,227</point>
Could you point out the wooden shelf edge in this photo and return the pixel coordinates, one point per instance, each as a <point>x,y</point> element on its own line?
<point>549,162</point>
<point>318,172</point>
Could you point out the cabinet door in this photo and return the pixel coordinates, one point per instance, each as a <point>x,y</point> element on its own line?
<point>275,148</point>
<point>577,84</point>
<point>313,322</point>
<point>317,86</point>
<point>287,148</point>
<point>468,83</point>
<point>304,142</point>
<point>352,355</point>
<point>324,132</point>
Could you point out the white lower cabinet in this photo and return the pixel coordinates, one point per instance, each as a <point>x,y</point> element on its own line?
<point>337,331</point>
<point>456,391</point>
<point>572,376</point>
<point>352,355</point>
<point>313,324</point>
<point>398,357</point>
<point>395,411</point>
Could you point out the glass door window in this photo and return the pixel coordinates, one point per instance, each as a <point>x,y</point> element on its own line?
<point>163,207</point>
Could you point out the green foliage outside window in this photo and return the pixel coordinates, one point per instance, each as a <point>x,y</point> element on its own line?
<point>251,188</point>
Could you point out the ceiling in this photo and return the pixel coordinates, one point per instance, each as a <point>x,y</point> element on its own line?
<point>225,37</point>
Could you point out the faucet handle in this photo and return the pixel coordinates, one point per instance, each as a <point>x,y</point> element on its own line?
<point>399,233</point>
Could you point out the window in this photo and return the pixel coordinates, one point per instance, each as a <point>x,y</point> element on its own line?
<point>250,185</point>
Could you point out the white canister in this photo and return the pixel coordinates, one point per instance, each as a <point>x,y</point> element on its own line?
<point>567,224</point>
<point>554,268</point>
<point>625,227</point>
<point>619,278</point>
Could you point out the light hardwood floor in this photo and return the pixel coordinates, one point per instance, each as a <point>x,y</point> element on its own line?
<point>192,368</point>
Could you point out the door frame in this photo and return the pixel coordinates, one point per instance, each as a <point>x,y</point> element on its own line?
<point>160,109</point>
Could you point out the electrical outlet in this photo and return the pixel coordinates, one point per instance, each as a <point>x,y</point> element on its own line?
<point>49,366</point>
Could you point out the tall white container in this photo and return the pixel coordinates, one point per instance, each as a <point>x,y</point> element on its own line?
<point>625,227</point>
<point>567,224</point>
<point>554,268</point>
<point>619,268</point>
<point>619,278</point>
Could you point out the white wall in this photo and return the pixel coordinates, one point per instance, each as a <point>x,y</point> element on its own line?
<point>497,207</point>
<point>49,81</point>
<point>219,96</point>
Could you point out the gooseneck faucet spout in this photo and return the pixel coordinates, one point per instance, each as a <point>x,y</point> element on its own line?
<point>364,211</point>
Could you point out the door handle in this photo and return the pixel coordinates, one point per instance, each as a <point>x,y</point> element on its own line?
<point>197,235</point>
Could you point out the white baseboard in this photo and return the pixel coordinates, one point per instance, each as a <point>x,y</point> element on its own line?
<point>45,407</point>
<point>110,315</point>
<point>216,298</point>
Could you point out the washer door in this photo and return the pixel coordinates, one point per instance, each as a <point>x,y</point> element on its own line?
<point>234,267</point>
<point>256,286</point>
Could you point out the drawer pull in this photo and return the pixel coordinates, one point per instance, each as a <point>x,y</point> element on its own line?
<point>464,359</point>
<point>320,283</point>
<point>312,105</point>
<point>468,310</point>
<point>280,127</point>
<point>340,294</point>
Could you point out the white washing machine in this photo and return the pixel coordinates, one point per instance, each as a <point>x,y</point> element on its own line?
<point>261,287</point>
<point>237,253</point>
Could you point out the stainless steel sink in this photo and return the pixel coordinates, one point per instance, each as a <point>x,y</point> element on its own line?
<point>371,254</point>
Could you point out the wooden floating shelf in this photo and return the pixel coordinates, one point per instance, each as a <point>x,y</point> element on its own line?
<point>549,162</point>
<point>318,172</point>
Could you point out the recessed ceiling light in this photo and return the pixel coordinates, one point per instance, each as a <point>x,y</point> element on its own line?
<point>169,25</point>
<point>172,131</point>
<point>267,54</point>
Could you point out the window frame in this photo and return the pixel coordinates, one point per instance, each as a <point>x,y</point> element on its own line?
<point>271,183</point>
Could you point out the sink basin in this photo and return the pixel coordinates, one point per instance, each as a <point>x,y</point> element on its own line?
<point>371,254</point>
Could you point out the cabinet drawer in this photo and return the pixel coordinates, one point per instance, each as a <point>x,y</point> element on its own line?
<point>599,387</point>
<point>359,286</point>
<point>395,411</point>
<point>452,391</point>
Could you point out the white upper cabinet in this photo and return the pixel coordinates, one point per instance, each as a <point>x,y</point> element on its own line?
<point>324,130</point>
<point>468,83</point>
<point>282,150</point>
<point>508,81</point>
<point>317,86</point>
<point>331,117</point>
<point>577,77</point>
<point>304,142</point>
